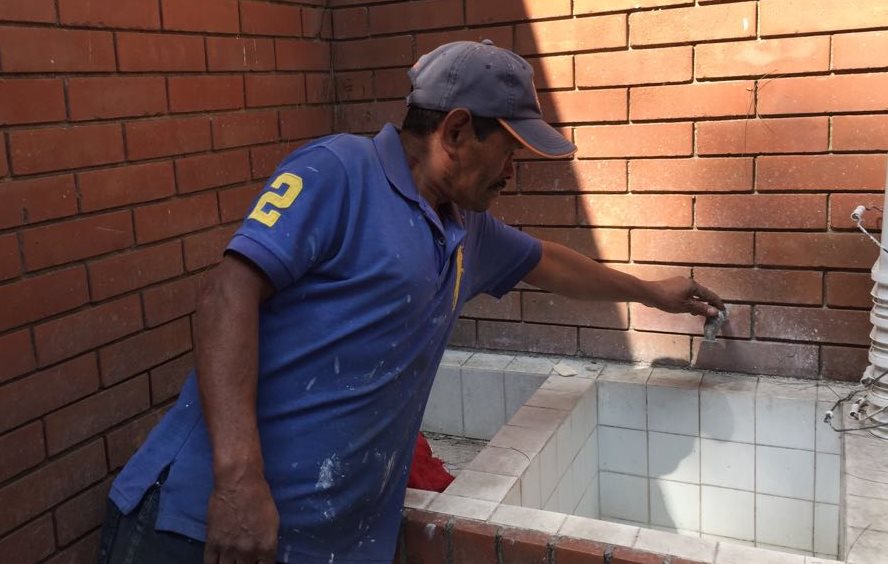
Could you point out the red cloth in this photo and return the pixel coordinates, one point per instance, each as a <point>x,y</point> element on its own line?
<point>426,471</point>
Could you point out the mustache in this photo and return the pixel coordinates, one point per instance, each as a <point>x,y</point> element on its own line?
<point>499,185</point>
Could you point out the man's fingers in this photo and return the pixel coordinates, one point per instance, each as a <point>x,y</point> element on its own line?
<point>708,296</point>
<point>211,554</point>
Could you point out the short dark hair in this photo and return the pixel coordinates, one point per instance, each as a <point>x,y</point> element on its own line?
<point>422,122</point>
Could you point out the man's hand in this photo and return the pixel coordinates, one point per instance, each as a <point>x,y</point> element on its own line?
<point>684,295</point>
<point>242,524</point>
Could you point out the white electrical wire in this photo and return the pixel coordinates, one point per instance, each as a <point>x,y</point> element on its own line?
<point>857,215</point>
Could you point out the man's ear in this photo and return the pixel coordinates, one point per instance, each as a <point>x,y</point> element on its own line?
<point>456,129</point>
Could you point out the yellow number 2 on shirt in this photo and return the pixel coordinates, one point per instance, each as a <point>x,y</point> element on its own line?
<point>277,201</point>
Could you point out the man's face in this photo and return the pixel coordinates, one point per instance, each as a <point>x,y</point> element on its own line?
<point>483,169</point>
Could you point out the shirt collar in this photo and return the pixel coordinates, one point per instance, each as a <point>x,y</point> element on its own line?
<point>394,162</point>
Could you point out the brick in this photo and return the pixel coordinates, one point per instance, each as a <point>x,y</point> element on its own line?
<point>571,176</point>
<point>651,319</point>
<point>464,334</point>
<point>169,301</point>
<point>135,269</point>
<point>571,35</point>
<point>43,296</point>
<point>262,18</point>
<point>76,239</point>
<point>42,11</point>
<point>212,170</point>
<point>10,263</point>
<point>700,23</point>
<point>691,175</point>
<point>127,185</point>
<point>265,159</point>
<point>784,17</point>
<point>815,250</point>
<point>143,52</point>
<point>841,206</point>
<point>763,286</point>
<point>305,123</point>
<point>58,480</point>
<point>31,201</point>
<point>349,23</point>
<point>85,330</point>
<point>844,363</point>
<point>373,53</point>
<point>236,202</point>
<point>653,271</point>
<point>82,513</point>
<point>52,50</point>
<point>16,355</point>
<point>527,337</point>
<point>84,551</point>
<point>535,210</point>
<point>643,66</point>
<point>713,99</point>
<point>387,83</point>
<point>123,442</point>
<point>635,140</point>
<point>695,247</point>
<point>626,210</point>
<point>96,413</point>
<point>167,379</point>
<point>755,136</point>
<point>860,50</point>
<point>812,324</point>
<point>483,11</point>
<point>821,173</point>
<point>167,137</point>
<point>599,244</point>
<point>539,307</point>
<point>425,536</point>
<point>240,54</point>
<point>523,546</point>
<point>31,101</point>
<point>22,449</point>
<point>553,72</point>
<point>205,249</point>
<point>4,164</point>
<point>275,90</point>
<point>823,94</point>
<point>761,211</point>
<point>31,543</point>
<point>175,217</point>
<point>206,93</point>
<point>317,23</point>
<point>579,551</point>
<point>572,106</point>
<point>473,541</point>
<point>500,35</point>
<point>846,289</point>
<point>144,351</point>
<point>40,393</point>
<point>58,148</point>
<point>214,16</point>
<point>636,346</point>
<point>319,88</point>
<point>116,97</point>
<point>301,55</point>
<point>769,57</point>
<point>369,117</point>
<point>132,14</point>
<point>624,555</point>
<point>597,6</point>
<point>487,307</point>
<point>235,130</point>
<point>413,16</point>
<point>860,133</point>
<point>757,357</point>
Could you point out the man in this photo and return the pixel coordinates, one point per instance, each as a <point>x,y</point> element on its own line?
<point>320,332</point>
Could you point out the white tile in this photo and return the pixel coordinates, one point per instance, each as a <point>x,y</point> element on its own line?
<point>673,530</point>
<point>549,475</point>
<point>489,361</point>
<point>588,406</point>
<point>599,531</point>
<point>552,399</point>
<point>418,499</point>
<point>776,548</point>
<point>484,410</point>
<point>456,357</point>
<point>785,472</point>
<point>727,415</point>
<point>621,404</point>
<point>721,539</point>
<point>582,368</point>
<point>524,518</point>
<point>728,513</point>
<point>579,482</point>
<point>444,413</point>
<point>866,512</point>
<point>675,378</point>
<point>567,500</point>
<point>866,546</point>
<point>551,504</point>
<point>514,495</point>
<point>527,440</point>
<point>463,506</point>
<point>827,440</point>
<point>616,372</point>
<point>530,485</point>
<point>480,485</point>
<point>588,506</point>
<point>675,504</point>
<point>784,422</point>
<point>538,418</point>
<point>518,388</point>
<point>622,450</point>
<point>564,446</point>
<point>623,497</point>
<point>726,464</point>
<point>538,365</point>
<point>784,522</point>
<point>700,550</point>
<point>729,382</point>
<point>826,529</point>
<point>674,457</point>
<point>673,410</point>
<point>822,559</point>
<point>827,478</point>
<point>496,460</point>
<point>779,387</point>
<point>730,553</point>
<point>567,384</point>
<point>580,429</point>
<point>587,461</point>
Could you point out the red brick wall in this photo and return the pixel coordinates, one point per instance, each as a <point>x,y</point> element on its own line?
<point>134,134</point>
<point>725,140</point>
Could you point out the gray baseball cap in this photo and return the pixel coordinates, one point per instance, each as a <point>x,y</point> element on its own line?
<point>490,82</point>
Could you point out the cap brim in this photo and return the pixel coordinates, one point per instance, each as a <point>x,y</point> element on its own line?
<point>539,137</point>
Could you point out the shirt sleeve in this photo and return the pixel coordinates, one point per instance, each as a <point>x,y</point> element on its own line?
<point>502,256</point>
<point>294,223</point>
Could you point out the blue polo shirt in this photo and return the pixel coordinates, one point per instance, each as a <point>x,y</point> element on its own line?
<point>370,281</point>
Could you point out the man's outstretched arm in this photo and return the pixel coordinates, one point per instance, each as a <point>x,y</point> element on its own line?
<point>242,520</point>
